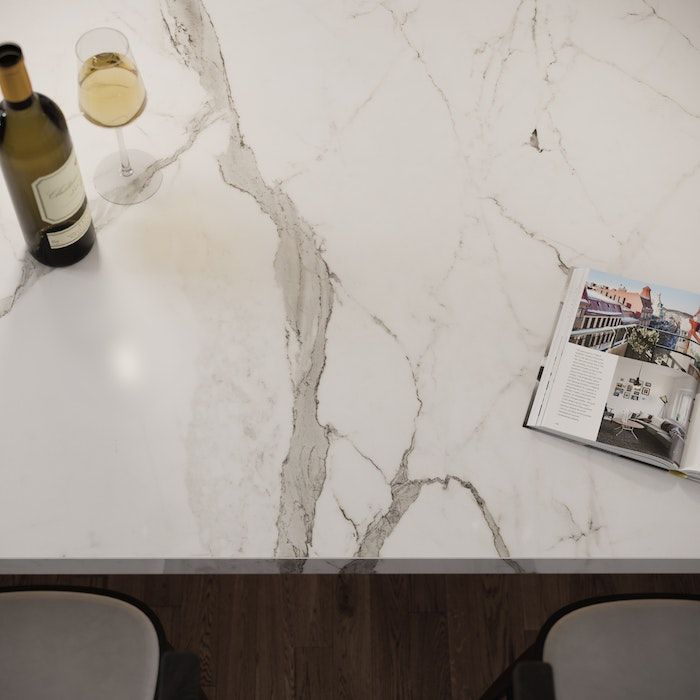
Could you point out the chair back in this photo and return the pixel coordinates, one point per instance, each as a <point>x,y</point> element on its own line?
<point>636,648</point>
<point>71,645</point>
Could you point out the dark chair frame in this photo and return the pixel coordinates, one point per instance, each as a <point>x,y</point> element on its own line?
<point>178,671</point>
<point>529,677</point>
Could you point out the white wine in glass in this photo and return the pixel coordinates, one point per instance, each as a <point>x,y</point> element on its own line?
<point>112,94</point>
<point>111,90</point>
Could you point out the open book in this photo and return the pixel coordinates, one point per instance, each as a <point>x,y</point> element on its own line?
<point>621,371</point>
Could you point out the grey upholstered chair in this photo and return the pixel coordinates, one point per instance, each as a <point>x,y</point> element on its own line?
<point>613,648</point>
<point>84,644</point>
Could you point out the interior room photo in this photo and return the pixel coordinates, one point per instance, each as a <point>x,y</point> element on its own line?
<point>648,408</point>
<point>282,411</point>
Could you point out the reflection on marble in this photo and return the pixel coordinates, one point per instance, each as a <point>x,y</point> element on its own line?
<point>312,350</point>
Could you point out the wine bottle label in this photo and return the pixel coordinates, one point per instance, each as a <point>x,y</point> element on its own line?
<point>60,193</point>
<point>63,238</point>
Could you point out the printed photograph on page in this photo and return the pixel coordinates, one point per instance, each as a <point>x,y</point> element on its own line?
<point>639,321</point>
<point>648,409</point>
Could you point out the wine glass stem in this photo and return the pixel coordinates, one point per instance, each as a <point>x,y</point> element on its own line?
<point>127,170</point>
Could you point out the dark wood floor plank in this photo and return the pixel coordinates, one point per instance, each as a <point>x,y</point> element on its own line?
<point>352,637</point>
<point>82,581</point>
<point>541,596</point>
<point>485,630</point>
<point>429,662</point>
<point>573,588</point>
<point>236,630</point>
<point>274,672</point>
<point>313,673</point>
<point>428,593</point>
<point>308,602</point>
<point>134,586</point>
<point>390,636</point>
<point>209,692</point>
<point>196,621</point>
<point>165,590</point>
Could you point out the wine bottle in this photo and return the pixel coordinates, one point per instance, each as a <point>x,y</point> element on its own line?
<point>41,169</point>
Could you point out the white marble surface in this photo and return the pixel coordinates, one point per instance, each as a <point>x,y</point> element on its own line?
<point>315,346</point>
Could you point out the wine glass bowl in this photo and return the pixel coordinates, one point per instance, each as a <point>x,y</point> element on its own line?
<point>111,90</point>
<point>112,94</point>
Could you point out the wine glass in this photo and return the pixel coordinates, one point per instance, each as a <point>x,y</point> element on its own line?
<point>112,94</point>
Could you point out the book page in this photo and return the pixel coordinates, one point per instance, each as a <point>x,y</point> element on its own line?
<point>560,337</point>
<point>576,402</point>
<point>625,374</point>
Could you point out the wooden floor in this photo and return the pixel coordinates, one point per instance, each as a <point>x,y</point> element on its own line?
<point>358,636</point>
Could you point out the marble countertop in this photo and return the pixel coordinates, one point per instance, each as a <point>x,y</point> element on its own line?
<point>315,346</point>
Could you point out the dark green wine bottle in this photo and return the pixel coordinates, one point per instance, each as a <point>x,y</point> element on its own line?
<point>40,168</point>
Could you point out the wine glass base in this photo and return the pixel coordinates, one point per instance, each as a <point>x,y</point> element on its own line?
<point>114,187</point>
